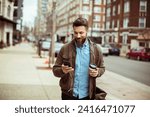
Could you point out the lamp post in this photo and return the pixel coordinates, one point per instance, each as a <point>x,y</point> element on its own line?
<point>92,15</point>
<point>52,49</point>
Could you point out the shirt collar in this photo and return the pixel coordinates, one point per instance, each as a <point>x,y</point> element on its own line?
<point>85,44</point>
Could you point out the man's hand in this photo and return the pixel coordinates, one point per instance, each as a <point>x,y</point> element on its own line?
<point>66,69</point>
<point>93,72</point>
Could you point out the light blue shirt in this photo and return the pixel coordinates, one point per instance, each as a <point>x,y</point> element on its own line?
<point>81,80</point>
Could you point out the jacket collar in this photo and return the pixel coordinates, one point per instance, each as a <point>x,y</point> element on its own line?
<point>73,42</point>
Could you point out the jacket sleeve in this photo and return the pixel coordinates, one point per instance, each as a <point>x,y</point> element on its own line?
<point>100,62</point>
<point>57,70</point>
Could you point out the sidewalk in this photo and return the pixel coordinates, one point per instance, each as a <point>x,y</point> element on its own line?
<point>120,87</point>
<point>23,75</point>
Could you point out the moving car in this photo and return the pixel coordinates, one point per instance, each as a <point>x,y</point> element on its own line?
<point>140,53</point>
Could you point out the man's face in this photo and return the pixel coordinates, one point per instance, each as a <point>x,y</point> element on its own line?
<point>80,33</point>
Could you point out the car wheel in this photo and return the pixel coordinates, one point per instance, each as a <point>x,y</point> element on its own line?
<point>106,54</point>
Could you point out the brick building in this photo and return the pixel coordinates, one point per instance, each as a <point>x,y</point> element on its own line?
<point>125,21</point>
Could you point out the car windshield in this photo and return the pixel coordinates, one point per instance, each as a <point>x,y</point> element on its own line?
<point>46,44</point>
<point>58,46</point>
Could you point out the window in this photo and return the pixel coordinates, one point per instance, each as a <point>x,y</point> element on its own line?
<point>125,38</point>
<point>15,13</point>
<point>106,40</point>
<point>142,22</point>
<point>114,10</point>
<point>98,2</point>
<point>85,8</point>
<point>126,7</point>
<point>125,22</point>
<point>107,24</point>
<point>108,12</point>
<point>113,24</point>
<point>8,11</point>
<point>96,25</point>
<point>143,5</point>
<point>85,1</point>
<point>108,1</point>
<point>16,3</point>
<point>97,9</point>
<point>142,44</point>
<point>96,18</point>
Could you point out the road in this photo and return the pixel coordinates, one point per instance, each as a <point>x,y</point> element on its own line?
<point>136,70</point>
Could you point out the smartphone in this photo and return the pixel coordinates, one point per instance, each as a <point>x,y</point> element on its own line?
<point>67,63</point>
<point>92,66</point>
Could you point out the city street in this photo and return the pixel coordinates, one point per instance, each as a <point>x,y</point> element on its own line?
<point>133,69</point>
<point>24,75</point>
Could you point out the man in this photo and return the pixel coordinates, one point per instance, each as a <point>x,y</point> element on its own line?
<point>78,80</point>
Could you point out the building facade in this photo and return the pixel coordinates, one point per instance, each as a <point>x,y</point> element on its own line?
<point>17,17</point>
<point>125,21</point>
<point>9,16</point>
<point>68,10</point>
<point>40,26</point>
<point>6,22</point>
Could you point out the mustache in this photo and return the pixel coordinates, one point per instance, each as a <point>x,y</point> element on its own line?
<point>77,38</point>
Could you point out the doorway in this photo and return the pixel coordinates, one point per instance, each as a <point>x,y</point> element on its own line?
<point>8,39</point>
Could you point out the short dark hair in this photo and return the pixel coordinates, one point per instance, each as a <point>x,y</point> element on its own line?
<point>80,22</point>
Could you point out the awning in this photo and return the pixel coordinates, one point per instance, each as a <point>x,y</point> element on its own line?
<point>145,36</point>
<point>7,20</point>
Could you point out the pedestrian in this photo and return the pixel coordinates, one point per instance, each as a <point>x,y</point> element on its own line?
<point>77,79</point>
<point>39,47</point>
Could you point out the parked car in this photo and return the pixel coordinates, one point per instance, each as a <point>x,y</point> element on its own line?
<point>113,49</point>
<point>45,45</point>
<point>139,53</point>
<point>58,46</point>
<point>15,41</point>
<point>104,50</point>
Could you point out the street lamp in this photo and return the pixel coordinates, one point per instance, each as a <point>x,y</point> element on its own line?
<point>52,50</point>
<point>92,15</point>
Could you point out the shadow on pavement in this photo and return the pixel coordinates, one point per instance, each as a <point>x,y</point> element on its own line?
<point>43,68</point>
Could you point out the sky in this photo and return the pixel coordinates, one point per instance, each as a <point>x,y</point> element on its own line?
<point>29,12</point>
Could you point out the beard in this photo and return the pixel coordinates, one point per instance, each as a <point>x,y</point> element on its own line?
<point>80,41</point>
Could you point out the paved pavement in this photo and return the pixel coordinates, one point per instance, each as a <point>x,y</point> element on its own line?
<point>23,75</point>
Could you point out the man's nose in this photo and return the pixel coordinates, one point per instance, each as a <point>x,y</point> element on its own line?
<point>78,35</point>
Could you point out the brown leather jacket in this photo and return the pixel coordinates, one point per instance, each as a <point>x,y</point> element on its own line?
<point>68,52</point>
